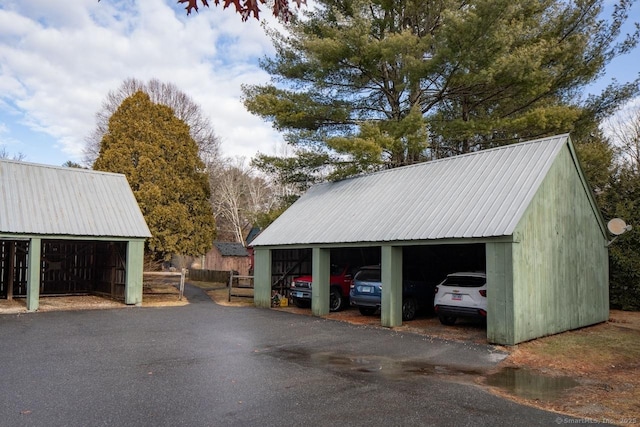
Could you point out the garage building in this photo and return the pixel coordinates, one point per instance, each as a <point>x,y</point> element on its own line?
<point>527,207</point>
<point>68,231</point>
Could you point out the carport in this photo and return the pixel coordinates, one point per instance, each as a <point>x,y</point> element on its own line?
<point>528,205</point>
<point>68,231</point>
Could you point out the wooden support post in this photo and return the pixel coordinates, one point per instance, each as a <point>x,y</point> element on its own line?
<point>391,269</point>
<point>34,274</point>
<point>11,267</point>
<point>320,285</point>
<point>262,281</point>
<point>133,272</point>
<point>183,273</point>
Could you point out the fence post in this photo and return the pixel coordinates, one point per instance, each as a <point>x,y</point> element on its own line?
<point>181,293</point>
<point>230,284</point>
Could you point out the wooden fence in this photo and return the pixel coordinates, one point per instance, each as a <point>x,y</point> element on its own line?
<point>181,273</point>
<point>209,276</point>
<point>240,286</point>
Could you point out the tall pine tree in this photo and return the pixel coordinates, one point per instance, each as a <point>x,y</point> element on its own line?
<point>363,84</point>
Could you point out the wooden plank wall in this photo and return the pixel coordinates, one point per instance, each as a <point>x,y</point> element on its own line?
<point>500,316</point>
<point>560,262</point>
<point>13,268</point>
<point>67,267</point>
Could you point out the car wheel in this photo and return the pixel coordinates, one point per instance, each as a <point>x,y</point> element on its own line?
<point>409,308</point>
<point>367,311</point>
<point>447,320</point>
<point>335,300</point>
<point>301,303</point>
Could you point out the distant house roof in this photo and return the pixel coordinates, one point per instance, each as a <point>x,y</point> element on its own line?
<point>50,200</point>
<point>231,249</point>
<point>480,194</point>
<point>253,233</point>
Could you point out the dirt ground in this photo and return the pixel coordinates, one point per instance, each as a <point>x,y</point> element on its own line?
<point>157,293</point>
<point>603,360</point>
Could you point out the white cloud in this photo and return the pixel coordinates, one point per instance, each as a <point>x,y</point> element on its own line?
<point>57,64</point>
<point>6,141</point>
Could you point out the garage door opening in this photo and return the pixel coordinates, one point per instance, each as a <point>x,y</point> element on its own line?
<point>288,264</point>
<point>67,268</point>
<point>434,262</point>
<point>80,268</point>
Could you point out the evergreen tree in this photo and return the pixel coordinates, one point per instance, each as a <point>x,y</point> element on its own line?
<point>622,200</point>
<point>361,85</point>
<point>153,148</point>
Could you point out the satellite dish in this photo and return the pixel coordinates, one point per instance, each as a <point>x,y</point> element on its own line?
<point>617,226</point>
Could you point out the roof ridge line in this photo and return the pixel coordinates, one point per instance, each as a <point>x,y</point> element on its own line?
<point>444,159</point>
<point>66,168</point>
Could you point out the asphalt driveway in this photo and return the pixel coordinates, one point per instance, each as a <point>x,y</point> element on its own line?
<point>208,365</point>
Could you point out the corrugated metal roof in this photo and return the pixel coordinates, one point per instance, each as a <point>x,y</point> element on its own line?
<point>50,200</point>
<point>481,194</point>
<point>231,249</point>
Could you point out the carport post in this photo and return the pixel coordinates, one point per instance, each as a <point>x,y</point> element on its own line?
<point>134,272</point>
<point>501,318</point>
<point>262,277</point>
<point>321,273</point>
<point>33,281</point>
<point>391,269</point>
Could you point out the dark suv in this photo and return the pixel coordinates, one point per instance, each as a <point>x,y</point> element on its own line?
<point>300,290</point>
<point>366,293</point>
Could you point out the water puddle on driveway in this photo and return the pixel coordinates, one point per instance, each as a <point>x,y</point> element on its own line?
<point>517,382</point>
<point>530,384</point>
<point>388,368</point>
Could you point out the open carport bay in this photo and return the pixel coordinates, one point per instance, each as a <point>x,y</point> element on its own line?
<point>429,263</point>
<point>434,262</point>
<point>424,265</point>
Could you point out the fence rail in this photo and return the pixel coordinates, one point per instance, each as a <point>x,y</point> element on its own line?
<point>181,273</point>
<point>240,282</point>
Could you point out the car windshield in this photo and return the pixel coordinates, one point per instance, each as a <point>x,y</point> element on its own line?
<point>465,281</point>
<point>368,275</point>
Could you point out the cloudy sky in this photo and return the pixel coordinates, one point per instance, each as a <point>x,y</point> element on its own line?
<point>58,61</point>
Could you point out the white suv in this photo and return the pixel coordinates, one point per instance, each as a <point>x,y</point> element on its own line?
<point>461,295</point>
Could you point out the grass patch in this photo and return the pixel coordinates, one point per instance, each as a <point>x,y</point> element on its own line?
<point>208,285</point>
<point>595,349</point>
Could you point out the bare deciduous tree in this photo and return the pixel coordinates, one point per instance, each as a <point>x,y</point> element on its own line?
<point>167,94</point>
<point>4,154</point>
<point>624,131</point>
<point>237,196</point>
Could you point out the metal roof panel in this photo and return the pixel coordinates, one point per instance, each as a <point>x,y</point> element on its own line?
<point>50,200</point>
<point>480,194</point>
